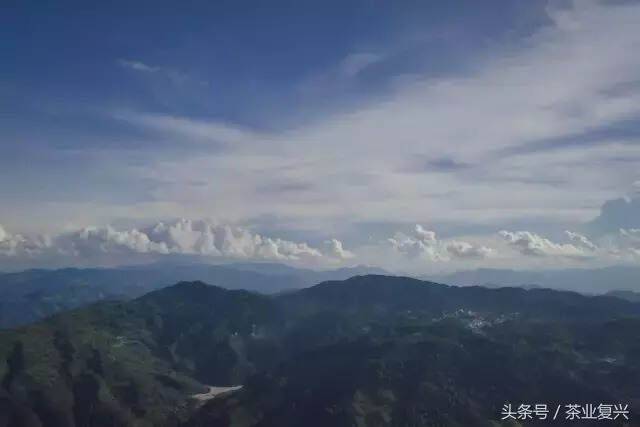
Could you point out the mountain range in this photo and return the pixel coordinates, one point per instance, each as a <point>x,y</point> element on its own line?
<point>585,280</point>
<point>34,294</point>
<point>371,350</point>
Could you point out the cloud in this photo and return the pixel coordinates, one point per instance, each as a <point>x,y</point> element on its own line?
<point>466,250</point>
<point>633,233</point>
<point>581,240</point>
<point>205,239</point>
<point>555,84</point>
<point>616,214</point>
<point>192,129</point>
<point>622,246</point>
<point>137,66</point>
<point>90,241</point>
<point>529,243</point>
<point>335,250</point>
<point>425,244</point>
<point>499,127</point>
<point>354,63</point>
<point>16,244</point>
<point>182,237</point>
<point>630,240</point>
<point>201,237</point>
<point>176,77</point>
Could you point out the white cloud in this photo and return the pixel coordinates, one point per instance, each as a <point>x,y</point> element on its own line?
<point>581,240</point>
<point>425,244</point>
<point>107,240</point>
<point>560,83</point>
<point>335,250</point>
<point>183,237</point>
<point>176,77</point>
<point>137,66</point>
<point>17,245</point>
<point>563,82</point>
<point>192,129</point>
<point>418,251</point>
<point>529,243</point>
<point>467,250</point>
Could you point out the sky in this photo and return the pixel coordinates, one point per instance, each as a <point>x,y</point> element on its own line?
<point>416,136</point>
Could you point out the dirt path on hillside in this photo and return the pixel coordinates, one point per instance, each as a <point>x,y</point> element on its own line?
<point>215,391</point>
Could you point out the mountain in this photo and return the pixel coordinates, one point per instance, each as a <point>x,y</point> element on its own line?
<point>136,362</point>
<point>626,295</point>
<point>391,351</point>
<point>442,375</point>
<point>34,294</point>
<point>309,277</point>
<point>368,351</point>
<point>593,281</point>
<point>389,294</point>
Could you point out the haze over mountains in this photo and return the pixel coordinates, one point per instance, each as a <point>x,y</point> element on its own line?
<point>33,294</point>
<point>586,280</point>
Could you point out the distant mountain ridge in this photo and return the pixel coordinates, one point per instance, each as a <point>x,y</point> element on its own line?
<point>626,295</point>
<point>34,294</point>
<point>395,293</point>
<point>595,281</point>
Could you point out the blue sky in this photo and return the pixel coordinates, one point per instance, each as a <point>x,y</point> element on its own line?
<point>311,123</point>
<point>238,61</point>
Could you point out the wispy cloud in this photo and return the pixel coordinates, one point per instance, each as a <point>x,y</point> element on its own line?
<point>189,129</point>
<point>555,85</point>
<point>540,130</point>
<point>353,64</point>
<point>137,66</point>
<point>174,76</point>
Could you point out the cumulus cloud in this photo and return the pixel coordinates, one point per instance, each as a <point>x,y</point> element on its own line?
<point>608,249</point>
<point>107,240</point>
<point>529,243</point>
<point>460,249</point>
<point>204,238</point>
<point>425,244</point>
<point>16,244</point>
<point>335,250</point>
<point>184,237</point>
<point>616,214</point>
